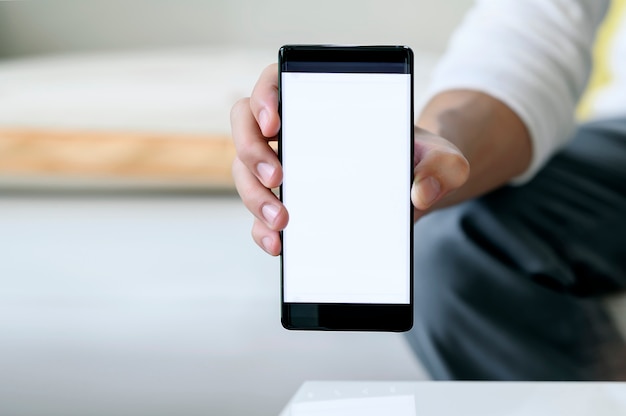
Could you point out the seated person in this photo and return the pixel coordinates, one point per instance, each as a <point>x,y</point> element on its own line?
<point>521,225</point>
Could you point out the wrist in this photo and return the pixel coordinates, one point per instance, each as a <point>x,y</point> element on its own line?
<point>490,135</point>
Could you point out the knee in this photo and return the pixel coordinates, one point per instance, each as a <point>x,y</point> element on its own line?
<point>460,257</point>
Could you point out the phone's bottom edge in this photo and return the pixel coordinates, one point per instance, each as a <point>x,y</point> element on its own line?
<point>347,317</point>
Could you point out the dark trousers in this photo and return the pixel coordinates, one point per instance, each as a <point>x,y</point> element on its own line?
<point>510,286</point>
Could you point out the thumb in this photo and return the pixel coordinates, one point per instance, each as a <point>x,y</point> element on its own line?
<point>440,168</point>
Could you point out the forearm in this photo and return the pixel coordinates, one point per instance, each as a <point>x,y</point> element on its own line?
<point>538,72</point>
<point>492,137</point>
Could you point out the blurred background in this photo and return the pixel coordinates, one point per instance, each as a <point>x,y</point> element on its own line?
<point>129,283</point>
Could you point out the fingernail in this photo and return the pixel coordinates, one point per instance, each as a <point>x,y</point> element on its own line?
<point>270,212</point>
<point>428,190</point>
<point>267,243</point>
<point>266,171</point>
<point>264,118</point>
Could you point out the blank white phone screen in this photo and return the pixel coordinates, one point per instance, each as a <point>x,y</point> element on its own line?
<point>346,143</point>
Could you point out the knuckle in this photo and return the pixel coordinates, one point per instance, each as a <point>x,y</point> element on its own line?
<point>245,188</point>
<point>457,170</point>
<point>248,154</point>
<point>250,196</point>
<point>240,105</point>
<point>235,168</point>
<point>461,166</point>
<point>255,230</point>
<point>271,69</point>
<point>451,167</point>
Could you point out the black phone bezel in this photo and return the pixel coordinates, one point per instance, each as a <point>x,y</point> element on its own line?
<point>347,59</point>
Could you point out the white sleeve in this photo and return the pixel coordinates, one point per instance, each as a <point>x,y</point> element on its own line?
<point>533,55</point>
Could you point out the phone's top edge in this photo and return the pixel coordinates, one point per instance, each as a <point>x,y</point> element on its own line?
<point>340,46</point>
<point>303,51</point>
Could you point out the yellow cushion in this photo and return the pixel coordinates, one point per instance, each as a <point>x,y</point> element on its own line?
<point>601,76</point>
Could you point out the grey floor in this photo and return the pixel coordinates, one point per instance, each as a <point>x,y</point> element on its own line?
<point>156,305</point>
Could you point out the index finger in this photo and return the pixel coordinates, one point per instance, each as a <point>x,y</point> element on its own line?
<point>264,102</point>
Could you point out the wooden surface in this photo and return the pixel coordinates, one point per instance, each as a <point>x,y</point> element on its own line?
<point>184,159</point>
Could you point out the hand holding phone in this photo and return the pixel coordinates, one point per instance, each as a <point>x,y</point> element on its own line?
<point>346,147</point>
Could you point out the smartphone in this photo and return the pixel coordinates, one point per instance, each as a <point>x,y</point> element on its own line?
<point>346,147</point>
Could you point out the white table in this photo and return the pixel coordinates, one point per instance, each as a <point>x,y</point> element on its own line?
<point>457,399</point>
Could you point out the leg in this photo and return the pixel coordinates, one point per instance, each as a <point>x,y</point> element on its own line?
<point>508,286</point>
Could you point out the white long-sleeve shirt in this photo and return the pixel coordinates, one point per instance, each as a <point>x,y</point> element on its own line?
<point>533,55</point>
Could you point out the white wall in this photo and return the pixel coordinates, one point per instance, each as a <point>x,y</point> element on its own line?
<point>70,25</point>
